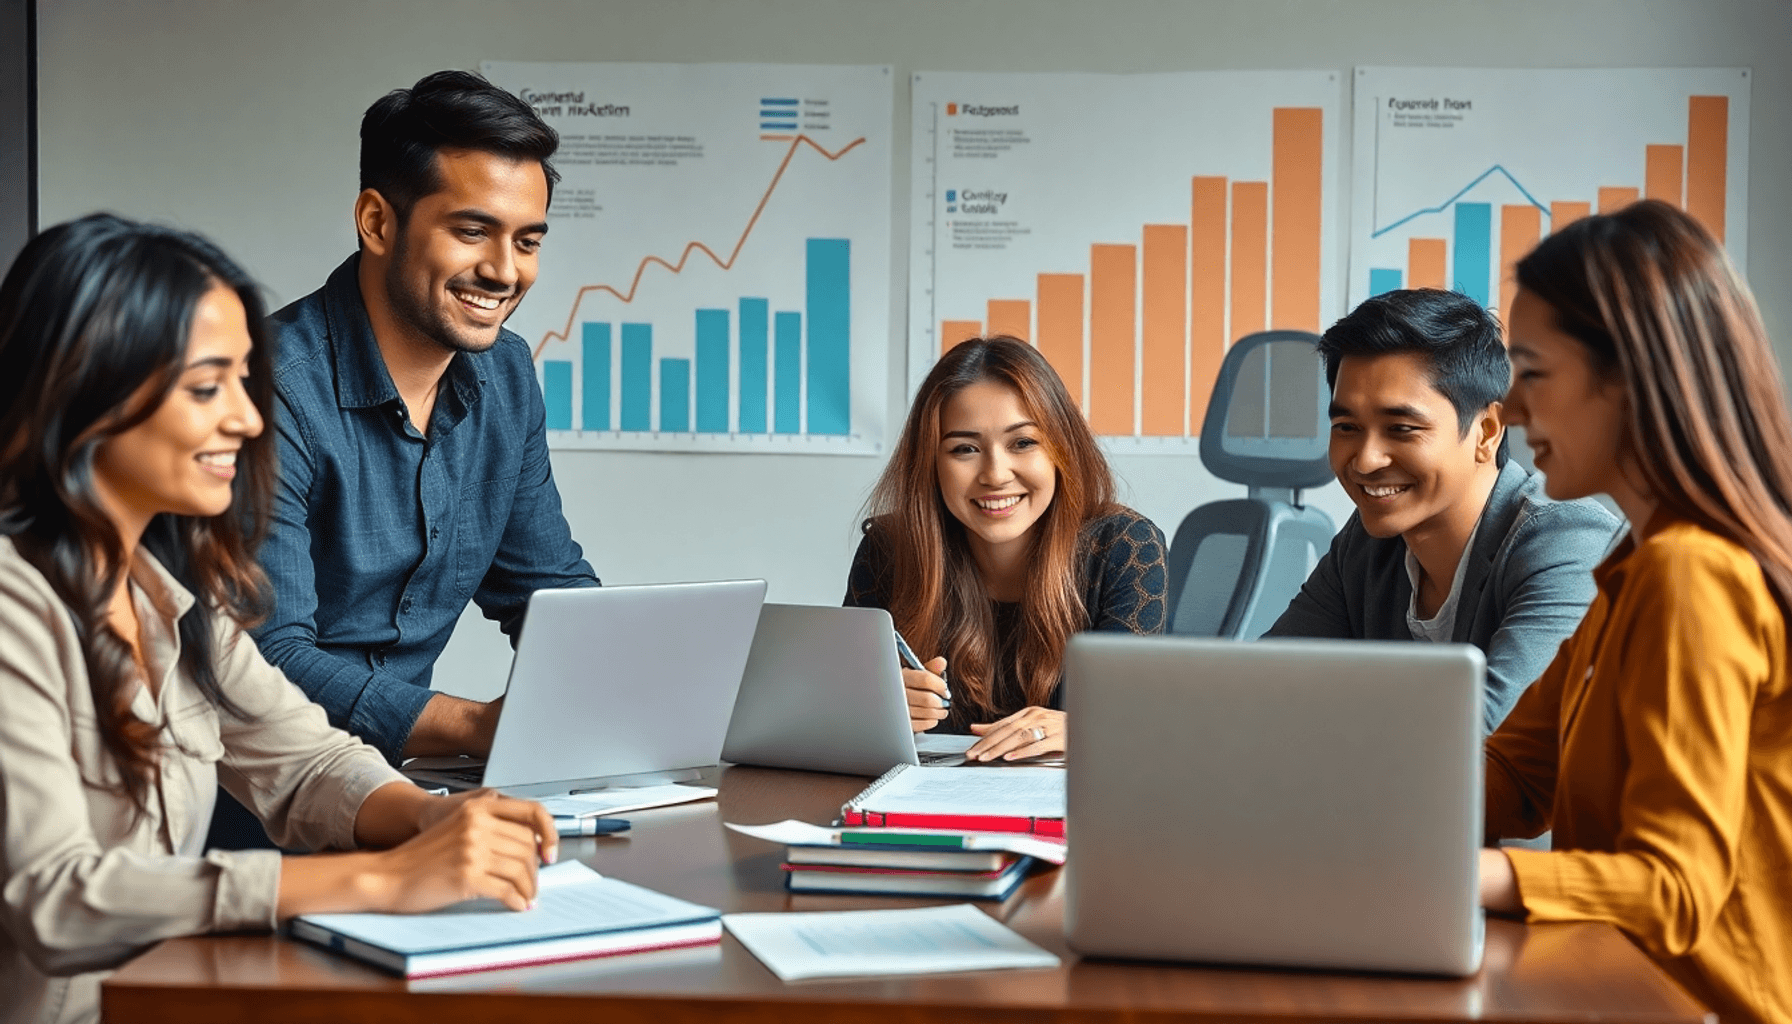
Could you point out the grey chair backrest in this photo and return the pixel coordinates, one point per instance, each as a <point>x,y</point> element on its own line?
<point>1234,565</point>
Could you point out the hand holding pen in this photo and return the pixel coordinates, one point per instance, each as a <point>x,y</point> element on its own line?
<point>929,696</point>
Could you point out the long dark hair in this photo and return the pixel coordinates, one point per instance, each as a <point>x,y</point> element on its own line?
<point>1650,294</point>
<point>937,594</point>
<point>94,320</point>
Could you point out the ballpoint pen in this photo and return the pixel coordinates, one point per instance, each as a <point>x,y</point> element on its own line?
<point>910,659</point>
<point>592,826</point>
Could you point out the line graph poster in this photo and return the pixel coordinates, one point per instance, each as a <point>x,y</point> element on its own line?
<point>1129,226</point>
<point>1457,173</point>
<point>716,273</point>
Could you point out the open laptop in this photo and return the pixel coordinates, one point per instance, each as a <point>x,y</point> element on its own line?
<point>823,692</point>
<point>617,686</point>
<point>1284,803</point>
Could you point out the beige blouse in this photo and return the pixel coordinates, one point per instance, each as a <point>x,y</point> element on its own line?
<point>85,883</point>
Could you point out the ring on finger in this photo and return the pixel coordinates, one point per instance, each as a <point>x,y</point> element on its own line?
<point>1038,734</point>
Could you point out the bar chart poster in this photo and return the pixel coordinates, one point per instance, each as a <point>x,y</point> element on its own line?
<point>715,277</point>
<point>1131,227</point>
<point>1457,173</point>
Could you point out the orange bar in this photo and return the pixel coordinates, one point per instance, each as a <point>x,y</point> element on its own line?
<point>1563,214</point>
<point>1013,317</point>
<point>1707,160</point>
<point>1661,173</point>
<point>1061,328</point>
<point>1520,228</point>
<point>1250,257</point>
<point>1614,198</point>
<point>1298,150</point>
<point>1113,317</point>
<point>954,331</point>
<point>1425,267</point>
<point>1207,294</point>
<point>1163,330</point>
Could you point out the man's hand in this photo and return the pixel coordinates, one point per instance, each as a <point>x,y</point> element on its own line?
<point>453,725</point>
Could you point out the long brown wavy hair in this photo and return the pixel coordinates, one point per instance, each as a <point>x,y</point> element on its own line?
<point>94,316</point>
<point>937,595</point>
<point>1652,296</point>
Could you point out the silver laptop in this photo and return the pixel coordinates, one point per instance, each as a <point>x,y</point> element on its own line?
<point>617,686</point>
<point>823,692</point>
<point>1283,803</point>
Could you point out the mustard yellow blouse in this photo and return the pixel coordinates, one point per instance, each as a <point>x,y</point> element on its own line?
<point>1658,747</point>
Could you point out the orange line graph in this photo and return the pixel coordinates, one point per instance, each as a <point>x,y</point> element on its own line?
<point>695,246</point>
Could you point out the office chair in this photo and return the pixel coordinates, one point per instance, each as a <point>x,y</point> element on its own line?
<point>1234,565</point>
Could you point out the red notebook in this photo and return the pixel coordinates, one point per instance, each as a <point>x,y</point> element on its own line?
<point>963,798</point>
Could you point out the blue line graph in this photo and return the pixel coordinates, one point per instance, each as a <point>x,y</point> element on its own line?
<point>1465,190</point>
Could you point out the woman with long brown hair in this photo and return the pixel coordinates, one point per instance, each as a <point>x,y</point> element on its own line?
<point>994,535</point>
<point>135,479</point>
<point>1658,745</point>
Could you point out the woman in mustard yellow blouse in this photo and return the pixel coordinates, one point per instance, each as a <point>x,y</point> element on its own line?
<point>1658,745</point>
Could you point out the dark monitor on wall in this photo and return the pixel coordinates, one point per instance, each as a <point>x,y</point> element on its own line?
<point>18,126</point>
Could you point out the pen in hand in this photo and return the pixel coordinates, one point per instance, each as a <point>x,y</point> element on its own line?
<point>910,659</point>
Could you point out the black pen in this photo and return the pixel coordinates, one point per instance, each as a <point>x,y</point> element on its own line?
<point>912,661</point>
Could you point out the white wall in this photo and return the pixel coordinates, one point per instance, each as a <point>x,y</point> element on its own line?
<point>239,119</point>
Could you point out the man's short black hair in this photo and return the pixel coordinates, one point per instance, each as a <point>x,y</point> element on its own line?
<point>403,130</point>
<point>1458,337</point>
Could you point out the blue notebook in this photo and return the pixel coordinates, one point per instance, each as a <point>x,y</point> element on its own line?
<point>578,913</point>
<point>881,881</point>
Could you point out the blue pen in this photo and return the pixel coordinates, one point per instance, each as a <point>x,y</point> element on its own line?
<point>593,826</point>
<point>912,661</point>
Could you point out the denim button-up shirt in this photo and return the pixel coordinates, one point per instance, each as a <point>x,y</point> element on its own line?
<point>381,534</point>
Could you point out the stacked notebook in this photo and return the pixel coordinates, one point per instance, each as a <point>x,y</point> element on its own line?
<point>578,913</point>
<point>966,799</point>
<point>904,862</point>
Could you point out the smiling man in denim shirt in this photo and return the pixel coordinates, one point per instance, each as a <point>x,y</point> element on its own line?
<point>413,455</point>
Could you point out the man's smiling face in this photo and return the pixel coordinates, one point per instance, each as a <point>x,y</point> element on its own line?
<point>1396,443</point>
<point>468,252</point>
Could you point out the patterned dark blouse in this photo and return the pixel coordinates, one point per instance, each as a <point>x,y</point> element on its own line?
<point>1124,580</point>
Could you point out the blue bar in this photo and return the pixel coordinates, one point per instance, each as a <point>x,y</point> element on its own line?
<point>675,396</point>
<point>787,409</point>
<point>776,125</point>
<point>1382,279</point>
<point>829,295</point>
<point>1474,250</point>
<point>712,371</point>
<point>637,376</point>
<point>773,101</point>
<point>595,413</point>
<point>753,350</point>
<point>556,387</point>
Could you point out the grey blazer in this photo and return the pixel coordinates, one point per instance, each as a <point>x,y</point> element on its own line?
<point>1528,582</point>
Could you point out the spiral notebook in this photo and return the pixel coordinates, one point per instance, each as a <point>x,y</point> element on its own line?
<point>972,799</point>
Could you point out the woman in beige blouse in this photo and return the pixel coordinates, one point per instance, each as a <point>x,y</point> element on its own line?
<point>135,476</point>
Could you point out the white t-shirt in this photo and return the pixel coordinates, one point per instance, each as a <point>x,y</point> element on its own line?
<point>1439,628</point>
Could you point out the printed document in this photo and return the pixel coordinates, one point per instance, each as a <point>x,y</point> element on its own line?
<point>856,943</point>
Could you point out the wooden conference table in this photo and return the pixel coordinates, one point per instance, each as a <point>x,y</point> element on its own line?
<point>1534,974</point>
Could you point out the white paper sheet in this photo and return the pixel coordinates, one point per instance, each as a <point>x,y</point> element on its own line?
<point>616,801</point>
<point>855,943</point>
<point>790,832</point>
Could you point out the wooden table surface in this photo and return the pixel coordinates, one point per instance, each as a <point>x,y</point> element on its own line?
<point>1533,974</point>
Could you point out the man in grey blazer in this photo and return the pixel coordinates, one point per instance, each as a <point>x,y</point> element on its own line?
<point>1451,541</point>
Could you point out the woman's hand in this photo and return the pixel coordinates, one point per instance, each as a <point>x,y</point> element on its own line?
<point>928,697</point>
<point>1028,732</point>
<point>1499,883</point>
<point>472,845</point>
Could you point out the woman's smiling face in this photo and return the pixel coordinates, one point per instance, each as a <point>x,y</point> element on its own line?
<point>994,474</point>
<point>182,459</point>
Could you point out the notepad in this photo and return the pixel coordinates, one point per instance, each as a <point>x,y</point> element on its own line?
<point>973,799</point>
<point>622,799</point>
<point>578,913</point>
<point>856,943</point>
